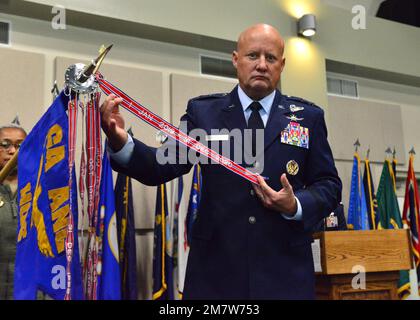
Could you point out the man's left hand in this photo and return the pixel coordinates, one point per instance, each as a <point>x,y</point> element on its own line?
<point>283,201</point>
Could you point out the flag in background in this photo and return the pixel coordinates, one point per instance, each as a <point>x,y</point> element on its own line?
<point>109,282</point>
<point>371,203</point>
<point>357,213</point>
<point>411,212</point>
<point>162,248</point>
<point>390,217</point>
<point>180,205</point>
<point>179,212</point>
<point>394,167</point>
<point>194,202</point>
<point>43,199</point>
<point>126,237</point>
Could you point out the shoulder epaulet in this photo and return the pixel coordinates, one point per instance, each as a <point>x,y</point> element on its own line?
<point>298,99</point>
<point>210,96</point>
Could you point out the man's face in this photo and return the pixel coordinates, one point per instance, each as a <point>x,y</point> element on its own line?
<point>9,139</point>
<point>259,61</point>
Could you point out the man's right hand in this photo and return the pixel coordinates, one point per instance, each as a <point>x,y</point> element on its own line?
<point>112,123</point>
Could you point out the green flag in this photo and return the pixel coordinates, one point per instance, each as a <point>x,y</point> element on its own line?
<point>390,216</point>
<point>387,200</point>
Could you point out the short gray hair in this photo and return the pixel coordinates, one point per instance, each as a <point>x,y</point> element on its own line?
<point>13,126</point>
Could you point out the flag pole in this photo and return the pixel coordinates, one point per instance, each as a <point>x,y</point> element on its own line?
<point>8,168</point>
<point>82,77</point>
<point>356,145</point>
<point>54,90</point>
<point>93,67</point>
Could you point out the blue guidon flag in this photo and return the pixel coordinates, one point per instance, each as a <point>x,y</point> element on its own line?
<point>358,213</point>
<point>109,280</point>
<point>43,199</point>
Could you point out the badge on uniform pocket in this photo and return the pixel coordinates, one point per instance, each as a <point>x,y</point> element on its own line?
<point>292,167</point>
<point>295,135</point>
<point>332,221</point>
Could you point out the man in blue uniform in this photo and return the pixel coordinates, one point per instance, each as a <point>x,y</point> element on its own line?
<point>248,241</point>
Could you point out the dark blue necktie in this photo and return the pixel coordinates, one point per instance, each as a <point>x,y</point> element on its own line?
<point>255,122</point>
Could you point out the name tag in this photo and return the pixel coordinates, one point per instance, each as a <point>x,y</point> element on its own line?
<point>332,221</point>
<point>217,137</point>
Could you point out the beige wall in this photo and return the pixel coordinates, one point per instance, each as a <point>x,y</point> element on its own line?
<point>385,93</point>
<point>383,45</point>
<point>21,71</point>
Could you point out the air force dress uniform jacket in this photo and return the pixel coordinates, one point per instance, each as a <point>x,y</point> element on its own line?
<point>240,249</point>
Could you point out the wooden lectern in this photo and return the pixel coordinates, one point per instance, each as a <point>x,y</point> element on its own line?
<point>382,253</point>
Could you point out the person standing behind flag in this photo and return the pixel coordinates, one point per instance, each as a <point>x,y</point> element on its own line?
<point>11,137</point>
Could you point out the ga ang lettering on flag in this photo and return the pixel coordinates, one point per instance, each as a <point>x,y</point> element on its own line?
<point>109,280</point>
<point>43,200</point>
